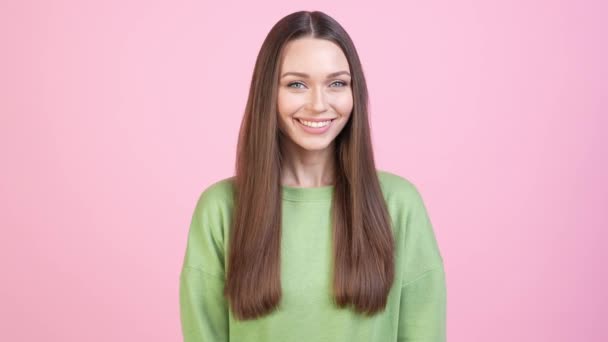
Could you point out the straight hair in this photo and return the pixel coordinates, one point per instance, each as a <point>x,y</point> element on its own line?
<point>363,242</point>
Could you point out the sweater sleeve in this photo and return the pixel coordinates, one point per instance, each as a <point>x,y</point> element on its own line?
<point>203,307</point>
<point>422,313</point>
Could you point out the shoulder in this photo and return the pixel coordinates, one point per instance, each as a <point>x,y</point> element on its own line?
<point>219,193</point>
<point>213,210</point>
<point>398,189</point>
<point>209,228</point>
<point>418,248</point>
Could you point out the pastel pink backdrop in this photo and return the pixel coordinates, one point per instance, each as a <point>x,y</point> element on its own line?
<point>115,115</point>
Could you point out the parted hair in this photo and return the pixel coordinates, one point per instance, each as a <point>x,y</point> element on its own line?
<point>363,243</point>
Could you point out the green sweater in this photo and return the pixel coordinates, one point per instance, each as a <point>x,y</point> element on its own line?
<point>416,308</point>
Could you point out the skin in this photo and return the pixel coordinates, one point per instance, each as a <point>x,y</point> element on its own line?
<point>308,158</point>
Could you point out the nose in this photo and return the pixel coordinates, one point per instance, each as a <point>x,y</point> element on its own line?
<point>318,101</point>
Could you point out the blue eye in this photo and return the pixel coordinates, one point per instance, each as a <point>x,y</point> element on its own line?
<point>340,83</point>
<point>292,83</point>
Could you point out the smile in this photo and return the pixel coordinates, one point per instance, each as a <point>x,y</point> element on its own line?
<point>315,127</point>
<point>315,124</point>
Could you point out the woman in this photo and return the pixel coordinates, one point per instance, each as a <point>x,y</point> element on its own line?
<point>309,241</point>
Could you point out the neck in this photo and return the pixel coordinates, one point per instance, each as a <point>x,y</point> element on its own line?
<point>304,168</point>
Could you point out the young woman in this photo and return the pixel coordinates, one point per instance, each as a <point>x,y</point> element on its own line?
<point>308,241</point>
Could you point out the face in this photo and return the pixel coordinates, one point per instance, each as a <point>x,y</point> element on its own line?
<point>315,97</point>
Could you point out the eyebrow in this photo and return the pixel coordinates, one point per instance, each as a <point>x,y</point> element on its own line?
<point>301,74</point>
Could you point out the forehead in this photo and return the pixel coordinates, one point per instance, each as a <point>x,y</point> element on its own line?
<point>313,56</point>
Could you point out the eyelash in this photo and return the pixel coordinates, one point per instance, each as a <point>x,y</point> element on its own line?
<point>344,84</point>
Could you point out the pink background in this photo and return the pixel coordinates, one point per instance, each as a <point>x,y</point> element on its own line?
<point>115,115</point>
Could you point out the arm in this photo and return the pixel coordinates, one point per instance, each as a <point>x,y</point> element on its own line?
<point>203,307</point>
<point>422,315</point>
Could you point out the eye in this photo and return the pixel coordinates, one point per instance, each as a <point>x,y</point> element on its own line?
<point>339,83</point>
<point>292,83</point>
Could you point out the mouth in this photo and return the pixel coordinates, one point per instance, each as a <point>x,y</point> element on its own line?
<point>312,122</point>
<point>316,126</point>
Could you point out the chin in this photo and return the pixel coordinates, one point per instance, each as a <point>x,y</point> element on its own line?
<point>314,147</point>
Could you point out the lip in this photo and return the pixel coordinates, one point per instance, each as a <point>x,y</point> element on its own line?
<point>316,120</point>
<point>315,130</point>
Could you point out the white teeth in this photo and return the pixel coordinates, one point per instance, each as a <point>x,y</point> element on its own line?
<point>315,124</point>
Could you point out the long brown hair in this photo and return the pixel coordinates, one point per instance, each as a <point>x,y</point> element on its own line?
<point>362,237</point>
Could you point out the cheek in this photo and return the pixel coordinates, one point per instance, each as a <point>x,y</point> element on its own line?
<point>288,103</point>
<point>344,103</point>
